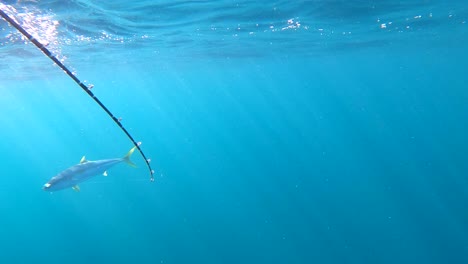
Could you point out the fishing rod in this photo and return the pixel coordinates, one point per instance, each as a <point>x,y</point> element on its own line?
<point>85,88</point>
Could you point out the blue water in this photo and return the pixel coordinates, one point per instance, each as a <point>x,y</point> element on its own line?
<point>280,132</point>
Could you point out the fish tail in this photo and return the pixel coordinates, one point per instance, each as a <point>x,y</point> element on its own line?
<point>126,158</point>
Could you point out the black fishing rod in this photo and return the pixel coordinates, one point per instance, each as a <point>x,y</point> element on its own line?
<point>87,89</point>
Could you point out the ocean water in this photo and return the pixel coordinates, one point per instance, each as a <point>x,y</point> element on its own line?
<point>320,131</point>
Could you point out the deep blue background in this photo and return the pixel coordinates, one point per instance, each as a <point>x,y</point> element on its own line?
<point>347,157</point>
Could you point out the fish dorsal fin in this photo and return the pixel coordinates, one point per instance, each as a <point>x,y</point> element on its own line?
<point>105,174</point>
<point>76,188</point>
<point>83,160</point>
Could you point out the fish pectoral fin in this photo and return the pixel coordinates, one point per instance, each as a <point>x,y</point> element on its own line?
<point>76,188</point>
<point>83,160</point>
<point>105,174</point>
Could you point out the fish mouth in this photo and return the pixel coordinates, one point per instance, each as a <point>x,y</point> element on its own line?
<point>46,186</point>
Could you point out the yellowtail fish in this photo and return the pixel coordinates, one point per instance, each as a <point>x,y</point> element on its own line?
<point>71,177</point>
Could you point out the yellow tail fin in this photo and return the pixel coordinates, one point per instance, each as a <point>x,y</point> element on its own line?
<point>127,160</point>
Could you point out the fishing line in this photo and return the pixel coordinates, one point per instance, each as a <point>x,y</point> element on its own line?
<point>87,89</point>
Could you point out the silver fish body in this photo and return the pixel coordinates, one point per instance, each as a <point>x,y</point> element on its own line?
<point>71,177</point>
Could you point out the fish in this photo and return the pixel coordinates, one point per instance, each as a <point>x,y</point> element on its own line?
<point>86,169</point>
